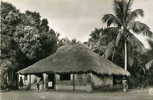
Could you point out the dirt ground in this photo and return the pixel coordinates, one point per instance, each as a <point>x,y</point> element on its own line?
<point>69,95</point>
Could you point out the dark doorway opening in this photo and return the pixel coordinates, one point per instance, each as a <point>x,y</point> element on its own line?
<point>51,81</point>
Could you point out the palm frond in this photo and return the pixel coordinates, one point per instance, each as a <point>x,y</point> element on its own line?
<point>138,12</point>
<point>125,7</point>
<point>108,35</point>
<point>96,33</point>
<point>111,19</point>
<point>111,33</point>
<point>134,14</point>
<point>118,38</point>
<point>121,8</point>
<point>148,33</point>
<point>149,64</point>
<point>111,30</point>
<point>130,2</point>
<point>138,27</point>
<point>135,43</point>
<point>117,6</point>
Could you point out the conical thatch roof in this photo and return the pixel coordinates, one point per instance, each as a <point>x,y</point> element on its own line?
<point>75,58</point>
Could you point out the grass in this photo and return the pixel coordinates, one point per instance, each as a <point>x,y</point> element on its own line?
<point>69,95</point>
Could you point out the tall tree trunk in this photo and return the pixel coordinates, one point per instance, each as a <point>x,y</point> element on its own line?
<point>29,82</point>
<point>125,55</point>
<point>124,81</point>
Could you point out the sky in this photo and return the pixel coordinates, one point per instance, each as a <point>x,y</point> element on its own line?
<point>77,18</point>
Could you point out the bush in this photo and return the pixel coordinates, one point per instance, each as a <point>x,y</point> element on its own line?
<point>3,78</point>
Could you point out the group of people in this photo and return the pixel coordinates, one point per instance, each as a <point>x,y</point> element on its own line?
<point>21,84</point>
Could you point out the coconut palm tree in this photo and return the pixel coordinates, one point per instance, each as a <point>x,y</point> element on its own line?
<point>124,19</point>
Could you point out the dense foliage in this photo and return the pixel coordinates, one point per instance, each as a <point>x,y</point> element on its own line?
<point>25,38</point>
<point>110,42</point>
<point>25,33</point>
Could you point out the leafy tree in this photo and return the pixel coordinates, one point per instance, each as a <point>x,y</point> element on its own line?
<point>25,37</point>
<point>94,41</point>
<point>32,35</point>
<point>65,41</point>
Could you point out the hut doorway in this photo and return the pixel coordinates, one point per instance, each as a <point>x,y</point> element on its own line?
<point>51,81</point>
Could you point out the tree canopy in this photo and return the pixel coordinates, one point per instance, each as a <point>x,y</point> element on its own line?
<point>25,37</point>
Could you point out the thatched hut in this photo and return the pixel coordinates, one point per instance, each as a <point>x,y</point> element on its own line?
<point>76,67</point>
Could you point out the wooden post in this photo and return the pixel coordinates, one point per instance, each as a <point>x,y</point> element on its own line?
<point>73,82</point>
<point>30,80</point>
<point>45,79</point>
<point>29,83</point>
<point>54,81</point>
<point>17,81</point>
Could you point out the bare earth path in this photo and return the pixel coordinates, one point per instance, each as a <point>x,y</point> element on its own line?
<point>56,95</point>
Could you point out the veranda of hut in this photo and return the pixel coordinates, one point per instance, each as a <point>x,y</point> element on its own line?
<point>75,67</point>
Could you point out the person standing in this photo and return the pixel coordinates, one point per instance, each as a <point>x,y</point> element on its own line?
<point>38,85</point>
<point>21,83</point>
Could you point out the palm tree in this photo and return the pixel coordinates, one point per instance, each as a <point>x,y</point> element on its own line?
<point>124,19</point>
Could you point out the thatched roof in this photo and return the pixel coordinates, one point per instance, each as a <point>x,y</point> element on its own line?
<point>75,58</point>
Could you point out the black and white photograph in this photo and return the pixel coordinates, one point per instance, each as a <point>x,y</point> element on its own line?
<point>76,50</point>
